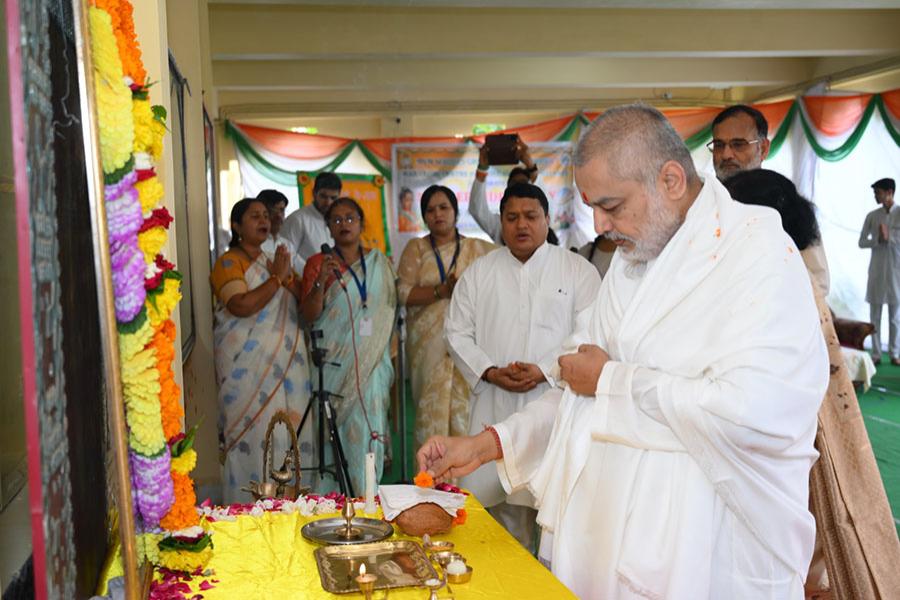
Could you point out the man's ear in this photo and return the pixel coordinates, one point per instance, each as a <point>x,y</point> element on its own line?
<point>674,180</point>
<point>764,149</point>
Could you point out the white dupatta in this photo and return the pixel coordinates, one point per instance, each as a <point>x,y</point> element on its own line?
<point>724,326</point>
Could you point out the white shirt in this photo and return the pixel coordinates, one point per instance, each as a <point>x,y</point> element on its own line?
<point>502,311</point>
<point>884,266</point>
<point>488,220</point>
<point>685,475</point>
<point>306,229</point>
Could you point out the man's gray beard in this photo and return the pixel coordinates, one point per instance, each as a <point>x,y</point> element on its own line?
<point>662,223</point>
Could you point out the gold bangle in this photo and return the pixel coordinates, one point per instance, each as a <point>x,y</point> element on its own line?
<point>436,293</point>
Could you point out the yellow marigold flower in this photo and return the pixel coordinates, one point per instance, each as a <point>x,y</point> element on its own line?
<point>132,343</point>
<point>114,119</point>
<point>148,132</point>
<point>185,463</point>
<point>148,547</point>
<point>150,192</point>
<point>183,560</point>
<point>160,307</point>
<point>151,242</point>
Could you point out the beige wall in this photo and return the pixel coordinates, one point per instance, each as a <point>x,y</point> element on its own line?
<point>185,39</point>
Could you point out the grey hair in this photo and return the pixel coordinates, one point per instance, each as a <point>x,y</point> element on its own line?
<point>636,140</point>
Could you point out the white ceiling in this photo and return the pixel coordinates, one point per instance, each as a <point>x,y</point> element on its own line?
<point>289,58</point>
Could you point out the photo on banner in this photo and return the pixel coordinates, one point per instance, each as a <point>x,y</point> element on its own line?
<point>368,191</point>
<point>419,165</point>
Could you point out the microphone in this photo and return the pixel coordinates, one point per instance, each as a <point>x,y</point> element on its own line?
<point>328,251</point>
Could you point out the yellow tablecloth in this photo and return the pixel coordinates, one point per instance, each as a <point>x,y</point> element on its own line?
<point>266,557</point>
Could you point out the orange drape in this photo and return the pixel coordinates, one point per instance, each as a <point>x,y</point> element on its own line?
<point>836,115</point>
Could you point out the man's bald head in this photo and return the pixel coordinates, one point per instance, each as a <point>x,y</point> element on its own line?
<point>635,141</point>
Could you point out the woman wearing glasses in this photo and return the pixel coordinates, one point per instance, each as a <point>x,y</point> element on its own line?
<point>350,296</point>
<point>429,269</point>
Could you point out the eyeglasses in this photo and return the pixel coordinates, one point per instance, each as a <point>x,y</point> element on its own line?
<point>737,145</point>
<point>349,220</point>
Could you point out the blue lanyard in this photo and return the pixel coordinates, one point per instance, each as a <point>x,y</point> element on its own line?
<point>440,262</point>
<point>363,294</point>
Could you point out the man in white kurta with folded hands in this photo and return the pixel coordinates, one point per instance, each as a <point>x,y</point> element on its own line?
<point>510,313</point>
<point>675,462</point>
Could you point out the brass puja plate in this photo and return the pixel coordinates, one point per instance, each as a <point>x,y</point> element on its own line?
<point>328,531</point>
<point>397,564</point>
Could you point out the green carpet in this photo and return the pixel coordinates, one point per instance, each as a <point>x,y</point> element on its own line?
<point>881,411</point>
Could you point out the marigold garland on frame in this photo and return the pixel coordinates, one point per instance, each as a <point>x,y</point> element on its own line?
<point>146,292</point>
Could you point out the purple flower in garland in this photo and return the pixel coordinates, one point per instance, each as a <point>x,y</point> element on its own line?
<point>151,484</point>
<point>128,269</point>
<point>123,215</point>
<point>123,221</point>
<point>113,190</point>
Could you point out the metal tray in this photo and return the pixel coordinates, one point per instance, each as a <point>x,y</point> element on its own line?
<point>325,531</point>
<point>397,564</point>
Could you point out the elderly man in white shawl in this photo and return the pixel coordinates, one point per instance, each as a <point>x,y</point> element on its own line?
<point>675,463</point>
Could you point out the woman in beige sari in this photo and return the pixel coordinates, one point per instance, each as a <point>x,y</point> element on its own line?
<point>429,269</point>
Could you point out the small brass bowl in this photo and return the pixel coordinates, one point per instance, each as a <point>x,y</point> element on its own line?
<point>444,557</point>
<point>462,577</point>
<point>438,546</point>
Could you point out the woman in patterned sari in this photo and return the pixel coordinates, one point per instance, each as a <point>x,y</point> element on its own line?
<point>429,268</point>
<point>261,362</point>
<point>350,296</point>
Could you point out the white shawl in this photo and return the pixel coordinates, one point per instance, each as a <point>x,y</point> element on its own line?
<point>724,335</point>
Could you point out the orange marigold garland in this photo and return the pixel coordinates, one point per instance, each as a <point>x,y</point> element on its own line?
<point>170,407</point>
<point>151,391</point>
<point>183,513</point>
<point>126,38</point>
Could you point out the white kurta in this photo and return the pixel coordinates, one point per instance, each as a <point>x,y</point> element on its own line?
<point>686,475</point>
<point>488,220</point>
<point>884,266</point>
<point>504,311</point>
<point>307,231</point>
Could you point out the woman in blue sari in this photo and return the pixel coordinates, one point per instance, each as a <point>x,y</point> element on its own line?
<point>350,296</point>
<point>261,362</point>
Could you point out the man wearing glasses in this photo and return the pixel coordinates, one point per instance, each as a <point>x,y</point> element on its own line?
<point>739,140</point>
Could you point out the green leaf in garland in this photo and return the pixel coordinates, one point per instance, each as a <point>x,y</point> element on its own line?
<point>185,443</point>
<point>171,543</point>
<point>135,324</point>
<point>160,114</point>
<point>117,175</point>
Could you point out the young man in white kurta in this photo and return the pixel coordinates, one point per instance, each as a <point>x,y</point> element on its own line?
<point>506,310</point>
<point>884,267</point>
<point>306,228</point>
<point>676,462</point>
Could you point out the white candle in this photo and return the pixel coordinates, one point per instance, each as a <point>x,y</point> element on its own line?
<point>370,483</point>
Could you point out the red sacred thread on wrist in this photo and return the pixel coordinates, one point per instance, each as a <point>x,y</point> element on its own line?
<point>496,441</point>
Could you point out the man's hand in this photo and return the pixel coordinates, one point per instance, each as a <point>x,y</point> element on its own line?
<point>530,372</point>
<point>483,163</point>
<point>523,155</point>
<point>450,457</point>
<point>582,370</point>
<point>884,234</point>
<point>506,378</point>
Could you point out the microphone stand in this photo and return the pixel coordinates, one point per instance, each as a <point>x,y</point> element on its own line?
<point>401,392</point>
<point>327,417</point>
